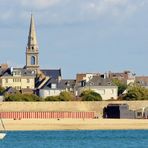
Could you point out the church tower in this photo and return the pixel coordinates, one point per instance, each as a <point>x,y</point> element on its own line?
<point>32,53</point>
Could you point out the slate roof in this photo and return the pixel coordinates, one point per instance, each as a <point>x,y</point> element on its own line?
<point>142,80</point>
<point>10,90</point>
<point>62,84</point>
<point>53,73</point>
<point>99,81</point>
<point>24,72</point>
<point>96,81</point>
<point>1,72</point>
<point>4,72</point>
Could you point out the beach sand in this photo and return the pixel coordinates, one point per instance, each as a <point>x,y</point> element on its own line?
<point>75,124</point>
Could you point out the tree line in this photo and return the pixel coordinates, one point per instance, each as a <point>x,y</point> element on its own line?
<point>87,95</point>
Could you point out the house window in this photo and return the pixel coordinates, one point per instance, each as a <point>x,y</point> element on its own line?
<point>16,73</point>
<point>16,80</point>
<point>28,87</point>
<point>28,80</point>
<point>53,86</point>
<point>18,87</point>
<point>139,114</point>
<point>6,80</point>
<point>112,91</point>
<point>109,83</point>
<point>99,84</point>
<point>32,60</point>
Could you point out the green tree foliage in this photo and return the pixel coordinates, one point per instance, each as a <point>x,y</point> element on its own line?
<point>64,96</point>
<point>89,95</point>
<point>52,98</point>
<point>22,97</point>
<point>1,90</point>
<point>136,92</point>
<point>121,86</point>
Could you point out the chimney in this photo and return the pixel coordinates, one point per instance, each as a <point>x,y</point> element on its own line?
<point>4,66</point>
<point>11,69</point>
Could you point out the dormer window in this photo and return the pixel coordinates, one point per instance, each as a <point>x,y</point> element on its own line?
<point>53,86</point>
<point>99,84</point>
<point>67,83</point>
<point>16,73</point>
<point>109,83</point>
<point>83,83</point>
<point>91,83</point>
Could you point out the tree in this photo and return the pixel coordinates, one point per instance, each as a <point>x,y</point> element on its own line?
<point>64,96</point>
<point>52,98</point>
<point>121,86</point>
<point>89,95</point>
<point>22,97</point>
<point>1,90</point>
<point>136,92</point>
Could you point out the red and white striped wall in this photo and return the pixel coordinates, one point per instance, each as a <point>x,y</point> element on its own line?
<point>44,115</point>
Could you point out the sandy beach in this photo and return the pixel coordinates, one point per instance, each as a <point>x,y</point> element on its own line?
<point>75,124</point>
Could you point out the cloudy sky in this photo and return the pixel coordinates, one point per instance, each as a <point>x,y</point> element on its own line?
<point>78,35</point>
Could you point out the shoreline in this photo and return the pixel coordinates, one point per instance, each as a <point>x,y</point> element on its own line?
<point>75,124</point>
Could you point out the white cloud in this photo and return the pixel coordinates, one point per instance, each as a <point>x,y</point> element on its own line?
<point>114,7</point>
<point>39,4</point>
<point>68,11</point>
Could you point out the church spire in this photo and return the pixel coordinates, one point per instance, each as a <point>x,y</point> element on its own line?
<point>32,41</point>
<point>32,54</point>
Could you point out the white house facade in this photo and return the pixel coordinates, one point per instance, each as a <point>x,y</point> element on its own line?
<point>106,92</point>
<point>102,86</point>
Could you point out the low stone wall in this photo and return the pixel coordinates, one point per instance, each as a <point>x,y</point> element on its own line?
<point>97,107</point>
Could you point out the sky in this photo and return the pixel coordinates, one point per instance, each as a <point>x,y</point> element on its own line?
<point>77,35</point>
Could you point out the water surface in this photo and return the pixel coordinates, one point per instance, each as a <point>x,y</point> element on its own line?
<point>76,139</point>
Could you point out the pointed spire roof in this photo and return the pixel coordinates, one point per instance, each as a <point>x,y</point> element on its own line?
<point>32,41</point>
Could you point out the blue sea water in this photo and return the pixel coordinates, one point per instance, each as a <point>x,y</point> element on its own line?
<point>76,139</point>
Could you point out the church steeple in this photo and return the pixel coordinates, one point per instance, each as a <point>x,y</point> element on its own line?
<point>32,59</point>
<point>32,41</point>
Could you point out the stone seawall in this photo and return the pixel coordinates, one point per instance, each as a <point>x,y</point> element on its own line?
<point>97,107</point>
